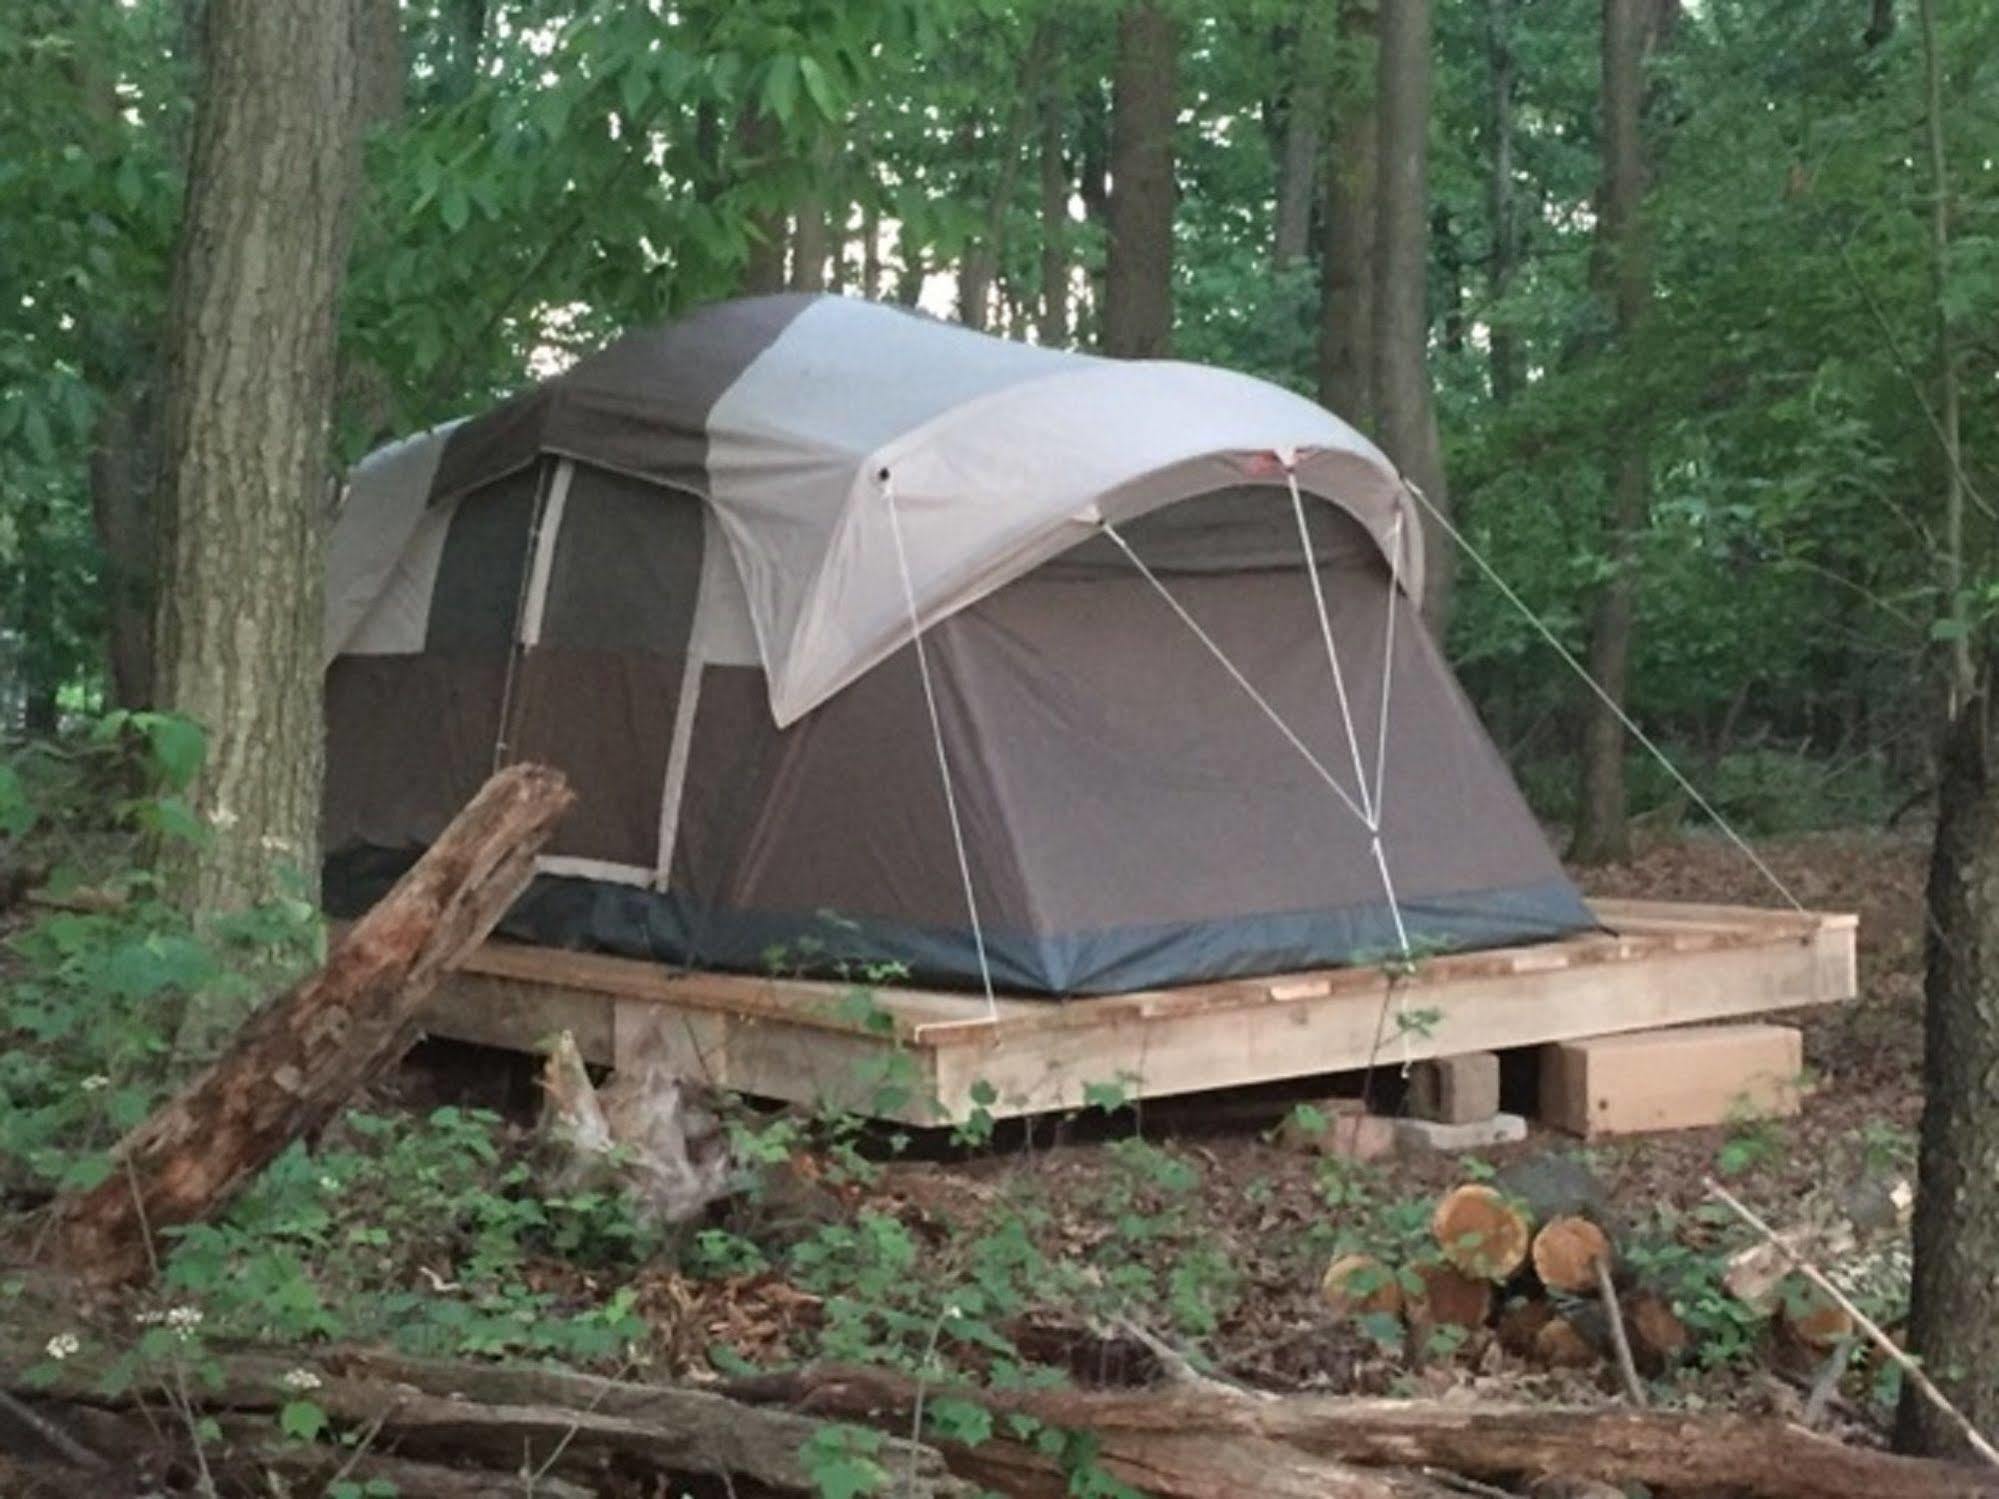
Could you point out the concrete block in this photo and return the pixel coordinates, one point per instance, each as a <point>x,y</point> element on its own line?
<point>1455,1090</point>
<point>1414,1135</point>
<point>1672,1079</point>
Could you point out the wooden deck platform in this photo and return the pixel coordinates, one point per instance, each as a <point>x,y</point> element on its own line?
<point>917,1056</point>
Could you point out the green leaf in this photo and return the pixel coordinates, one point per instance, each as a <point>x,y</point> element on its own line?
<point>177,746</point>
<point>820,86</point>
<point>17,813</point>
<point>781,86</point>
<point>302,1420</point>
<point>455,207</point>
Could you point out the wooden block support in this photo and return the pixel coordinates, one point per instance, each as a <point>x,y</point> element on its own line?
<point>1671,1079</point>
<point>1455,1090</point>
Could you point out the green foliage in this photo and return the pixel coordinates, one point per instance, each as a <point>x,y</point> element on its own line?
<point>93,1002</point>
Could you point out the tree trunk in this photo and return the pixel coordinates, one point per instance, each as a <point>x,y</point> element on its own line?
<point>257,278</point>
<point>1346,290</point>
<point>871,247</point>
<point>1504,250</point>
<point>1053,323</point>
<point>1880,23</point>
<point>1304,131</point>
<point>36,618</point>
<point>299,1060</point>
<point>1603,833</point>
<point>1954,1306</point>
<point>810,239</point>
<point>763,268</point>
<point>982,257</point>
<point>1138,281</point>
<point>1957,606</point>
<point>1405,417</point>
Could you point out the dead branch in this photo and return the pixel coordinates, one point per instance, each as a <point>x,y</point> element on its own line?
<point>1153,1430</point>
<point>298,1060</point>
<point>1861,1320</point>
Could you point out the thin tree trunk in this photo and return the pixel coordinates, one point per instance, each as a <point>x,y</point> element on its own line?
<point>1880,23</point>
<point>1138,282</point>
<point>810,237</point>
<point>1504,251</point>
<point>1603,832</point>
<point>1405,416</point>
<point>1954,1304</point>
<point>1946,360</point>
<point>124,471</point>
<point>871,247</point>
<point>764,266</point>
<point>1346,294</point>
<point>1304,132</point>
<point>1053,327</point>
<point>910,274</point>
<point>982,258</point>
<point>258,271</point>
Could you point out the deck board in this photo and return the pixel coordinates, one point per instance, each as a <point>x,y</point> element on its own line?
<point>915,1055</point>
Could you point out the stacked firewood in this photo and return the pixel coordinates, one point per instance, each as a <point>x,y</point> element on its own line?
<point>1529,1260</point>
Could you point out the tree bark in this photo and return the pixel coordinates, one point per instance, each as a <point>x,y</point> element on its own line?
<point>810,238</point>
<point>1880,23</point>
<point>1347,281</point>
<point>1052,324</point>
<point>1948,417</point>
<point>1503,357</point>
<point>576,1425</point>
<point>1954,1304</point>
<point>871,247</point>
<point>1150,1438</point>
<point>1138,281</point>
<point>1304,133</point>
<point>1405,417</point>
<point>1603,830</point>
<point>295,1064</point>
<point>763,268</point>
<point>257,278</point>
<point>982,257</point>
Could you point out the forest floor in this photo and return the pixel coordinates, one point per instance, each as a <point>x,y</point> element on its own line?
<point>428,1218</point>
<point>1211,1231</point>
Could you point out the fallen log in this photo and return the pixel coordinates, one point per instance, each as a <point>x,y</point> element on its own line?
<point>1670,1451</point>
<point>571,1427</point>
<point>297,1061</point>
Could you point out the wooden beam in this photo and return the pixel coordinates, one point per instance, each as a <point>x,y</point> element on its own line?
<point>914,1055</point>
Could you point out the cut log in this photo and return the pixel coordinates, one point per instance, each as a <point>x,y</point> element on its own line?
<point>1359,1285</point>
<point>1560,1344</point>
<point>1659,1339</point>
<point>1482,1233</point>
<point>1677,1451</point>
<point>297,1061</point>
<point>1521,1323</point>
<point>1566,1254</point>
<point>1446,1297</point>
<point>1810,1317</point>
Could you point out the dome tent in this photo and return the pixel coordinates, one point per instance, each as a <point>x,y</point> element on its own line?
<point>845,622</point>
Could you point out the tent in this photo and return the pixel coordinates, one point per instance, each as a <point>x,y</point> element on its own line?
<point>876,645</point>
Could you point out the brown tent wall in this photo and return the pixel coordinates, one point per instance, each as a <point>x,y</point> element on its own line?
<point>1132,819</point>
